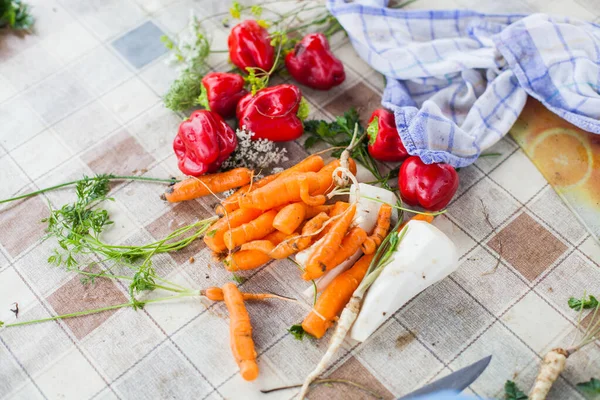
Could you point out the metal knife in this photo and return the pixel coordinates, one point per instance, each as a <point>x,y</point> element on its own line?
<point>456,381</point>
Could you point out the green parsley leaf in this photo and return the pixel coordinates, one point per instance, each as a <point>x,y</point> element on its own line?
<point>303,109</point>
<point>256,10</point>
<point>583,303</point>
<point>15,14</point>
<point>236,10</point>
<point>512,392</point>
<point>297,331</point>
<point>591,388</point>
<point>373,129</point>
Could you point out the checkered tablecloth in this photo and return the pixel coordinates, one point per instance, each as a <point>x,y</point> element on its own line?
<point>83,96</point>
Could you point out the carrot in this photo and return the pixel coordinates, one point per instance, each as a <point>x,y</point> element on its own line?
<point>418,217</point>
<point>292,243</point>
<point>312,211</point>
<point>255,229</point>
<point>243,260</point>
<point>290,217</point>
<point>214,235</point>
<point>350,245</point>
<point>310,164</point>
<point>326,175</point>
<point>335,297</point>
<point>216,294</point>
<point>339,208</point>
<point>240,331</point>
<point>192,188</point>
<point>317,261</point>
<point>382,227</point>
<point>231,203</point>
<point>284,190</point>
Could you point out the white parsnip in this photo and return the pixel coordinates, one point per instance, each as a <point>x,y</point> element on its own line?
<point>552,365</point>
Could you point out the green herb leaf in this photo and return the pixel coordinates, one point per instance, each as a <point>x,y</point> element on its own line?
<point>512,392</point>
<point>1,324</point>
<point>583,303</point>
<point>372,130</point>
<point>15,14</point>
<point>591,388</point>
<point>297,331</point>
<point>239,279</point>
<point>256,10</point>
<point>303,109</point>
<point>236,10</point>
<point>311,141</point>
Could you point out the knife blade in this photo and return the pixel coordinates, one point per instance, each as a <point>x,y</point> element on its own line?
<point>456,381</point>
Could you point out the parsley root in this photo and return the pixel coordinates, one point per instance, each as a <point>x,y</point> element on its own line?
<point>240,331</point>
<point>553,364</point>
<point>335,297</point>
<point>384,219</point>
<point>192,188</point>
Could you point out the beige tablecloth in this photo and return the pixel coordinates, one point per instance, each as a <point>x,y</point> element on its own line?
<point>82,95</point>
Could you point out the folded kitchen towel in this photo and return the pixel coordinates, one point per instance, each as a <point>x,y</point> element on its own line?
<point>457,80</point>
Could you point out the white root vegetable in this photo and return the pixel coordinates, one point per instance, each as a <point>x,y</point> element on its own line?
<point>552,365</point>
<point>365,218</point>
<point>425,256</point>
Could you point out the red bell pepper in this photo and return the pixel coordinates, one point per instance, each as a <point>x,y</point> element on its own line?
<point>203,142</point>
<point>221,91</point>
<point>312,63</point>
<point>384,141</point>
<point>250,46</point>
<point>273,113</point>
<point>431,186</point>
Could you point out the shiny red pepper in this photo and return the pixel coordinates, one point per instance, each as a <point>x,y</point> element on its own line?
<point>272,113</point>
<point>431,186</point>
<point>223,91</point>
<point>203,142</point>
<point>312,63</point>
<point>384,142</point>
<point>250,46</point>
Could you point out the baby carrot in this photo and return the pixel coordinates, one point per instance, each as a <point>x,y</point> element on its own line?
<point>382,227</point>
<point>284,190</point>
<point>290,217</point>
<point>312,211</point>
<point>417,217</point>
<point>214,235</point>
<point>317,261</point>
<point>192,188</point>
<point>240,331</point>
<point>325,175</point>
<point>243,260</point>
<point>335,297</point>
<point>231,203</point>
<point>338,208</point>
<point>309,164</point>
<point>350,245</point>
<point>255,229</point>
<point>216,294</point>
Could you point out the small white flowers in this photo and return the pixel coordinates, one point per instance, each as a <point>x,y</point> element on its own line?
<point>254,154</point>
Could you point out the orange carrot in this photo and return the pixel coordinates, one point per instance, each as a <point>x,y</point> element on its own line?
<point>350,245</point>
<point>312,211</point>
<point>339,208</point>
<point>326,175</point>
<point>216,294</point>
<point>240,331</point>
<point>214,235</point>
<point>382,227</point>
<point>231,203</point>
<point>292,243</point>
<point>310,164</point>
<point>324,253</point>
<point>284,190</point>
<point>255,229</point>
<point>335,297</point>
<point>290,217</point>
<point>192,188</point>
<point>243,260</point>
<point>417,217</point>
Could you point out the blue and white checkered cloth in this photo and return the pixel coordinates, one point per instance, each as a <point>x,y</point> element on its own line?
<point>458,80</point>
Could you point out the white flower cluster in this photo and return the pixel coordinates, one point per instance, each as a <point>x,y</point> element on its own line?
<point>254,154</point>
<point>192,48</point>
